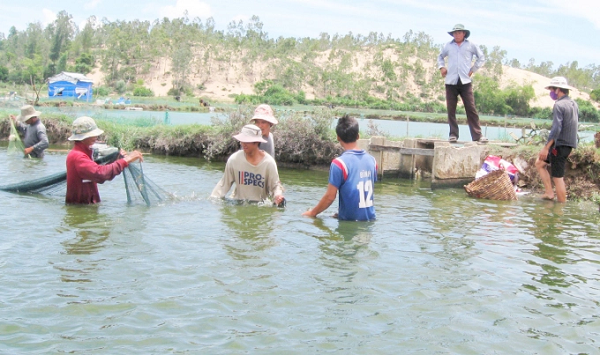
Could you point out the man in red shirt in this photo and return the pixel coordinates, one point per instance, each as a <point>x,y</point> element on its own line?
<point>83,173</point>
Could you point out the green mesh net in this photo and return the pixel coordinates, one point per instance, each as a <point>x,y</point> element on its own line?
<point>15,145</point>
<point>138,188</point>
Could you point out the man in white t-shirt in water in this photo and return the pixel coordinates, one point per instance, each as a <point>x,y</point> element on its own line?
<point>265,119</point>
<point>252,170</point>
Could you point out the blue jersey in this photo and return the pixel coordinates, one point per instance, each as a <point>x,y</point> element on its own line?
<point>354,174</point>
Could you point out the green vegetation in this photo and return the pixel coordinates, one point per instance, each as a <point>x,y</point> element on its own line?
<point>586,79</point>
<point>142,91</point>
<point>587,111</point>
<point>356,71</point>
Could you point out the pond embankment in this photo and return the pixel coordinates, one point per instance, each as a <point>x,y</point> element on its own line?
<point>305,150</point>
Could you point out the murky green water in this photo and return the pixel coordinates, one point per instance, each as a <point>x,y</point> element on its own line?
<point>437,273</point>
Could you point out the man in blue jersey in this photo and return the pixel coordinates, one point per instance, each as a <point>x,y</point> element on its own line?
<point>353,174</point>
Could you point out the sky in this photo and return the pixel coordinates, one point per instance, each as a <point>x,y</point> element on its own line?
<point>546,30</point>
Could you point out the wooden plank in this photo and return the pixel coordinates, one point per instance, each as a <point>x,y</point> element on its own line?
<point>417,151</point>
<point>402,150</point>
<point>376,147</point>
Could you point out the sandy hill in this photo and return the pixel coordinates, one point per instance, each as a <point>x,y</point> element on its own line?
<point>539,82</point>
<point>222,79</point>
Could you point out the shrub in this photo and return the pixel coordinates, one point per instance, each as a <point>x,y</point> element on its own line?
<point>306,140</point>
<point>543,113</point>
<point>143,91</point>
<point>587,111</point>
<point>3,73</point>
<point>120,87</point>
<point>595,95</point>
<point>102,91</point>
<point>309,140</point>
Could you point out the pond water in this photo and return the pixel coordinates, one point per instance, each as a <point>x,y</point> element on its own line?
<point>437,272</point>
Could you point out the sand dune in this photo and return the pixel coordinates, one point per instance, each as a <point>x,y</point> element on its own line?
<point>221,84</point>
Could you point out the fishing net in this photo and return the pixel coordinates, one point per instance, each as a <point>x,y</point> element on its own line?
<point>138,187</point>
<point>56,184</point>
<point>15,145</point>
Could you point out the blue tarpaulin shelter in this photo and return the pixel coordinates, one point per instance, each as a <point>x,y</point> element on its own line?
<point>68,84</point>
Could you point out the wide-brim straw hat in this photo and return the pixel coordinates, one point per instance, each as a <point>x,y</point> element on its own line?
<point>250,133</point>
<point>264,112</point>
<point>27,112</point>
<point>84,127</point>
<point>559,82</point>
<point>460,27</point>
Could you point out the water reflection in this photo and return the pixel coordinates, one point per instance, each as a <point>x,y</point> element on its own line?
<point>251,226</point>
<point>345,240</point>
<point>91,229</point>
<point>342,248</point>
<point>549,224</point>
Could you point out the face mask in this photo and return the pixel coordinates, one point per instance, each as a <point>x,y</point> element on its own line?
<point>553,95</point>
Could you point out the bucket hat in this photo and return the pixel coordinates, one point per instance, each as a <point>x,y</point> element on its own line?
<point>559,82</point>
<point>264,112</point>
<point>84,127</point>
<point>460,27</point>
<point>250,133</point>
<point>27,112</point>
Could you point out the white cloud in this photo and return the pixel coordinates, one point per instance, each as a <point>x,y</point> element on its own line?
<point>92,4</point>
<point>48,17</point>
<point>586,9</point>
<point>195,8</point>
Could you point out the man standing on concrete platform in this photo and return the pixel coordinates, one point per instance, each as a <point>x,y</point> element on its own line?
<point>460,53</point>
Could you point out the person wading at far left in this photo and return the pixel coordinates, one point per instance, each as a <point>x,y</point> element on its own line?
<point>36,139</point>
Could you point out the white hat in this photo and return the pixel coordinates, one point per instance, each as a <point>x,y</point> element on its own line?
<point>264,112</point>
<point>460,27</point>
<point>250,133</point>
<point>84,127</point>
<point>559,82</point>
<point>27,112</point>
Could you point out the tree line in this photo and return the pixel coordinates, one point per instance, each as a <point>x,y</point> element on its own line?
<point>355,70</point>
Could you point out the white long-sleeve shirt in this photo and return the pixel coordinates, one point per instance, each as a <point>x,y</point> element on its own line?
<point>460,59</point>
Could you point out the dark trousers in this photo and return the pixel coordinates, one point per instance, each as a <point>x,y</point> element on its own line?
<point>466,94</point>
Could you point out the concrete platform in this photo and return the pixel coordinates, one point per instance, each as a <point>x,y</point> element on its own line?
<point>446,164</point>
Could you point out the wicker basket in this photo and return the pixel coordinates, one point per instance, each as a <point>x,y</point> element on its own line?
<point>494,186</point>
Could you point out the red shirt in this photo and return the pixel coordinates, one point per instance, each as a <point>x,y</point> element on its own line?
<point>84,175</point>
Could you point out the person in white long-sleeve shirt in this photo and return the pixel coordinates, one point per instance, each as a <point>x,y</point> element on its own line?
<point>460,53</point>
<point>253,171</point>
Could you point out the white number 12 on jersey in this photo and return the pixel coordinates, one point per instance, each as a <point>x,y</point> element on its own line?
<point>365,186</point>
